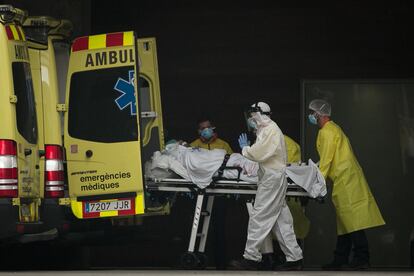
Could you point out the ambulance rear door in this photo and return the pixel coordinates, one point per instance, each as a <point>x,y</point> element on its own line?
<point>151,117</point>
<point>101,136</point>
<point>19,164</point>
<point>150,98</point>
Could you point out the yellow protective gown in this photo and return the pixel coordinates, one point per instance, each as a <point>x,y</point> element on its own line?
<point>355,205</point>
<point>293,150</point>
<point>216,144</point>
<point>301,223</point>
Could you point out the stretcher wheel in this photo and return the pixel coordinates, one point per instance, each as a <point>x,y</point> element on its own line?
<point>189,260</point>
<point>202,260</point>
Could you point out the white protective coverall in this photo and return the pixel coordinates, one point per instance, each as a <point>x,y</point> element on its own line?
<point>270,212</point>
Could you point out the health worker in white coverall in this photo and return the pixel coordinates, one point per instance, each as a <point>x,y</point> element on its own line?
<point>270,211</point>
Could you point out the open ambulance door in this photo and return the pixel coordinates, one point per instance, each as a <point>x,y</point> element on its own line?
<point>102,135</point>
<point>151,122</point>
<point>150,98</point>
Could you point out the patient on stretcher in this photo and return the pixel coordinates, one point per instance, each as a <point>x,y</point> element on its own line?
<point>199,165</point>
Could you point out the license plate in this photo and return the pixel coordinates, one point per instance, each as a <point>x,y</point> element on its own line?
<point>106,206</point>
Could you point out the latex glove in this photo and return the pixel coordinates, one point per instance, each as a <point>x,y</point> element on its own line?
<point>243,142</point>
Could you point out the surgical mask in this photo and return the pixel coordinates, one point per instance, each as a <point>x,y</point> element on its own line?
<point>252,123</point>
<point>207,133</point>
<point>312,119</point>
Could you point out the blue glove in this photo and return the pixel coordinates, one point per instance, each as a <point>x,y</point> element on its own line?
<point>243,142</point>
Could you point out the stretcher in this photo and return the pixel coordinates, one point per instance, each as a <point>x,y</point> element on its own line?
<point>195,257</point>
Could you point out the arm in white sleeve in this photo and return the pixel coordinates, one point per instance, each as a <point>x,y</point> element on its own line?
<point>265,146</point>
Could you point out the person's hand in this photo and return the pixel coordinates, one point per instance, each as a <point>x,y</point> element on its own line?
<point>243,142</point>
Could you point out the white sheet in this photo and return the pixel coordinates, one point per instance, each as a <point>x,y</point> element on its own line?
<point>200,166</point>
<point>309,178</point>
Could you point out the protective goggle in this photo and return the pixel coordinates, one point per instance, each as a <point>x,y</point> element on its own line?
<point>256,108</point>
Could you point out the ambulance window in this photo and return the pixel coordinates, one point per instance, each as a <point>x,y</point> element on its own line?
<point>102,105</point>
<point>25,106</point>
<point>145,101</point>
<point>61,50</point>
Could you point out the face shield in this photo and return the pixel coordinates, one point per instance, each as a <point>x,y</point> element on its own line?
<point>257,115</point>
<point>250,121</point>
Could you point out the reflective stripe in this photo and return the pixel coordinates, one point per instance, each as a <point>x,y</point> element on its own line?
<point>14,31</point>
<point>80,44</point>
<point>128,38</point>
<point>114,39</point>
<point>8,187</point>
<point>97,41</point>
<point>23,37</point>
<point>54,188</point>
<point>103,41</point>
<point>53,183</point>
<point>9,32</point>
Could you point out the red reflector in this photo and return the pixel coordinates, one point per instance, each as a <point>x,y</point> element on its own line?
<point>8,173</point>
<point>81,43</point>
<point>53,152</point>
<point>54,193</point>
<point>115,39</point>
<point>7,147</point>
<point>9,33</point>
<point>54,176</point>
<point>8,193</point>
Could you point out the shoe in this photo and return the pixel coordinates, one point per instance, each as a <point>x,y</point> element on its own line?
<point>356,265</point>
<point>244,264</point>
<point>267,263</point>
<point>335,266</point>
<point>289,266</point>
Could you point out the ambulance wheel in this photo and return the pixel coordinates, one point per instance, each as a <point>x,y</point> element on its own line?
<point>189,260</point>
<point>202,260</point>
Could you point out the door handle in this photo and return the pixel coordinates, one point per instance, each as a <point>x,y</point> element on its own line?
<point>89,153</point>
<point>27,152</point>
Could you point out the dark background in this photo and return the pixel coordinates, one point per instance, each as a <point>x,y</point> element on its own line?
<point>217,57</point>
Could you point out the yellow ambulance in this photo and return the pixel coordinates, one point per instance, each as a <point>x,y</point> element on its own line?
<point>45,36</point>
<point>19,153</point>
<point>113,123</point>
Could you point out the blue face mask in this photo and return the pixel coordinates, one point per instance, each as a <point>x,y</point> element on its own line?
<point>252,123</point>
<point>207,133</point>
<point>312,119</point>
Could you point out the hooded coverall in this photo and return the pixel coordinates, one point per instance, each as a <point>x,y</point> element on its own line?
<point>270,212</point>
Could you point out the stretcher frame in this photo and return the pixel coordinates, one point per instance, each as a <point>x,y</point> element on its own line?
<point>196,258</point>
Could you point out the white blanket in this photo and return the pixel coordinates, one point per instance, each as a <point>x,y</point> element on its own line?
<point>309,177</point>
<point>200,166</point>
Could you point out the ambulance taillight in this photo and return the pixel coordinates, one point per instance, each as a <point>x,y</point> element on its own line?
<point>8,169</point>
<point>54,174</point>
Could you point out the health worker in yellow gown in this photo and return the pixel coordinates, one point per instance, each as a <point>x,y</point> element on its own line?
<point>356,208</point>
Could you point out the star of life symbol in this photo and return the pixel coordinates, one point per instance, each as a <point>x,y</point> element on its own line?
<point>127,90</point>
